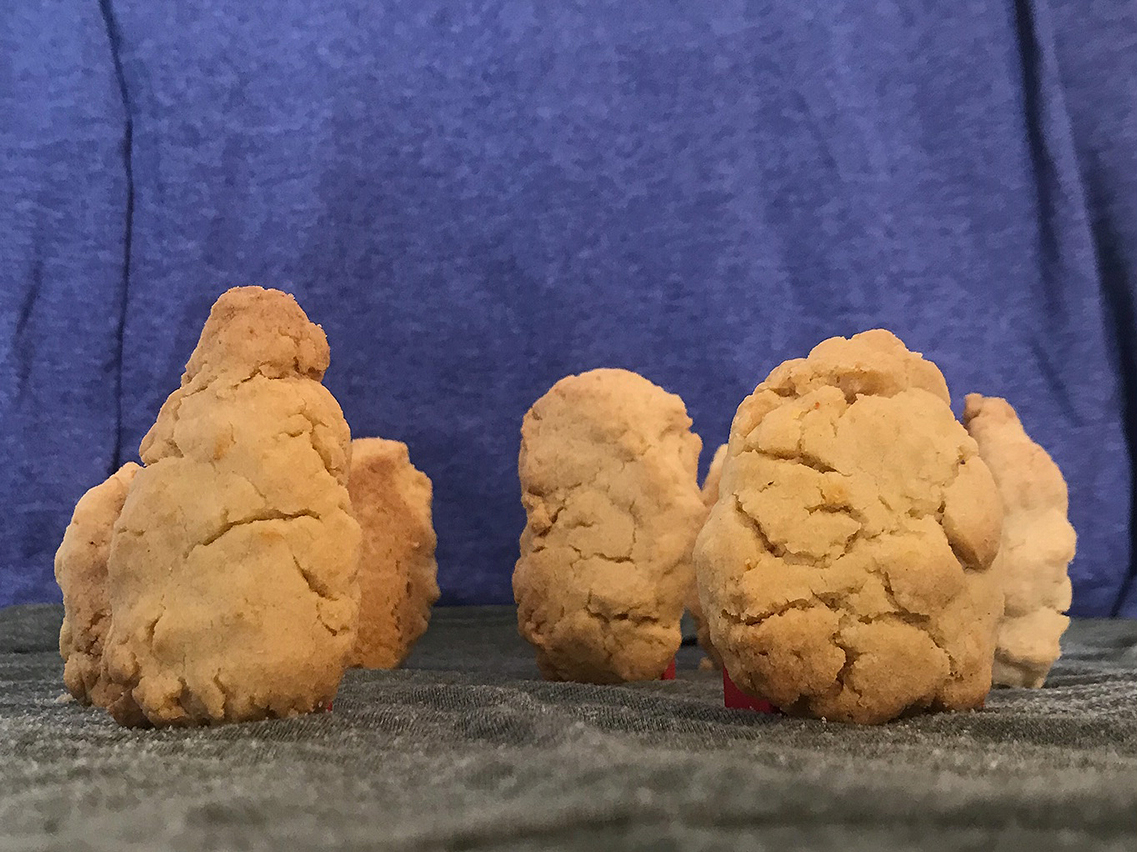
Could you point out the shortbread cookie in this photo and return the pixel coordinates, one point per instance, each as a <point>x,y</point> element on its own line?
<point>1037,545</point>
<point>845,567</point>
<point>398,577</point>
<point>710,495</point>
<point>81,571</point>
<point>232,569</point>
<point>608,471</point>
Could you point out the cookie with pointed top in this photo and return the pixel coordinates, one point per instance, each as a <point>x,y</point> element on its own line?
<point>232,570</point>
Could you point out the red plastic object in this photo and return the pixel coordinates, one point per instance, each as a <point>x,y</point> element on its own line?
<point>669,672</point>
<point>734,697</point>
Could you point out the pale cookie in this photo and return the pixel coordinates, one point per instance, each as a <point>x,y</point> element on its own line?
<point>81,571</point>
<point>232,569</point>
<point>1037,545</point>
<point>609,483</point>
<point>713,479</point>
<point>710,494</point>
<point>398,577</point>
<point>844,568</point>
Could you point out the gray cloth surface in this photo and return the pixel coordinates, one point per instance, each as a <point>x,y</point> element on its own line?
<point>467,749</point>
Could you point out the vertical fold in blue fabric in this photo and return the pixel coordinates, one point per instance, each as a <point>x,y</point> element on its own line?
<point>63,223</point>
<point>1096,43</point>
<point>1074,313</point>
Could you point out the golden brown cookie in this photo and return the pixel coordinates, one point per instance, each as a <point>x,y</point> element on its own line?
<point>81,571</point>
<point>1037,545</point>
<point>232,569</point>
<point>609,484</point>
<point>710,494</point>
<point>845,567</point>
<point>398,577</point>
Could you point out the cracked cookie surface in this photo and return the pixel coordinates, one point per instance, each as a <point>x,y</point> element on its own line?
<point>844,569</point>
<point>609,484</point>
<point>398,575</point>
<point>1038,543</point>
<point>232,568</point>
<point>81,571</point>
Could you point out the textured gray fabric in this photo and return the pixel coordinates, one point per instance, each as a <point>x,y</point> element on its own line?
<point>467,749</point>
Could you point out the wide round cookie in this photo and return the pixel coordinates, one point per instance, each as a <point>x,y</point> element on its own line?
<point>398,577</point>
<point>232,569</point>
<point>1037,545</point>
<point>844,568</point>
<point>81,571</point>
<point>609,484</point>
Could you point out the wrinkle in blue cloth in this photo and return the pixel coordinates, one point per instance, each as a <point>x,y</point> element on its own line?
<point>62,226</point>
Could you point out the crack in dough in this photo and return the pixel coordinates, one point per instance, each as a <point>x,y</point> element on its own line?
<point>229,526</point>
<point>608,480</point>
<point>845,561</point>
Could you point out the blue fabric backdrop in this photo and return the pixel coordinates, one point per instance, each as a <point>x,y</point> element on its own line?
<point>475,199</point>
<point>63,203</point>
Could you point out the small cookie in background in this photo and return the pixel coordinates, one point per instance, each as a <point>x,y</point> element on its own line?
<point>845,568</point>
<point>710,490</point>
<point>81,571</point>
<point>1038,542</point>
<point>398,576</point>
<point>608,469</point>
<point>710,494</point>
<point>232,572</point>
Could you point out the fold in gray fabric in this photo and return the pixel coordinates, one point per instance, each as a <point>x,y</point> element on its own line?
<point>467,749</point>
